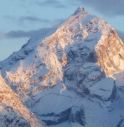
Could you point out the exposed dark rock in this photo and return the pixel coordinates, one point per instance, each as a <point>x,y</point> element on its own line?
<point>121,123</point>
<point>73,114</point>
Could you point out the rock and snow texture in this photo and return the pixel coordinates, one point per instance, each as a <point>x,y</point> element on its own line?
<point>70,78</point>
<point>10,99</point>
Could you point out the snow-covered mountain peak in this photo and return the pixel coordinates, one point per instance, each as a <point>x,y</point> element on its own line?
<point>64,77</point>
<point>82,40</point>
<point>80,11</point>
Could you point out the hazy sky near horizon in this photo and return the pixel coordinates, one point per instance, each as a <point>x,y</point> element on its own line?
<point>20,19</point>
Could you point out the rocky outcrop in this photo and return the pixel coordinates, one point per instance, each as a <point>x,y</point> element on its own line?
<point>110,52</point>
<point>71,115</point>
<point>11,99</point>
<point>9,118</point>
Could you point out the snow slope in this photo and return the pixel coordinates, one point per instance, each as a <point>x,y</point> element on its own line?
<point>72,77</point>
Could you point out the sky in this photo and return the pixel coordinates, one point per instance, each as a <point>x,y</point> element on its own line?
<point>22,19</point>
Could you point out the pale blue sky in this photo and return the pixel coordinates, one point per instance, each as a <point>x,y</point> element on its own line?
<point>28,16</point>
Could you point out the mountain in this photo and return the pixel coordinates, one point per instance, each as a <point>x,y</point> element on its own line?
<point>121,34</point>
<point>71,78</point>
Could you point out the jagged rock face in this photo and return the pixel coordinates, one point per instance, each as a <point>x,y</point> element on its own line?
<point>71,115</point>
<point>67,70</point>
<point>10,99</point>
<point>110,53</point>
<point>9,118</point>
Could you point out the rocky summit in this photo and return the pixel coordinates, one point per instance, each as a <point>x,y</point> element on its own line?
<point>70,78</point>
